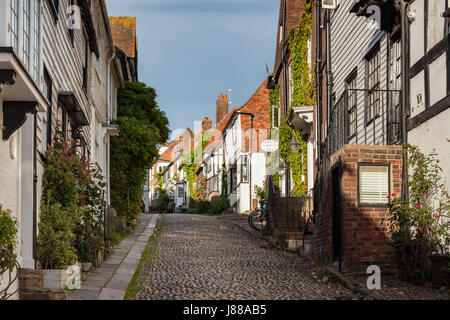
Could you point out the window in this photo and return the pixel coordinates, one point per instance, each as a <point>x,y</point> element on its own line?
<point>70,28</point>
<point>234,133</point>
<point>47,89</point>
<point>244,169</point>
<point>373,84</point>
<point>395,83</point>
<point>276,117</point>
<point>54,6</point>
<point>233,178</point>
<point>373,184</point>
<point>37,41</point>
<point>291,84</point>
<point>85,65</point>
<point>352,104</point>
<point>26,17</point>
<point>180,192</point>
<point>14,24</point>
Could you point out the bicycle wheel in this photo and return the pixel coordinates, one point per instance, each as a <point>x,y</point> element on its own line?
<point>258,220</point>
<point>250,219</point>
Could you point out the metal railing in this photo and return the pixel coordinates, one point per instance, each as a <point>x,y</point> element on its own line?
<point>374,121</point>
<point>292,213</point>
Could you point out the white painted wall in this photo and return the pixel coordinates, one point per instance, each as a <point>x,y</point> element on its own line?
<point>435,134</point>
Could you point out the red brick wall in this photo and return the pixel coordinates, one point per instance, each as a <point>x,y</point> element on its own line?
<point>259,105</point>
<point>365,237</point>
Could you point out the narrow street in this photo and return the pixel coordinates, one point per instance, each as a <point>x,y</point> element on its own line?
<point>202,257</point>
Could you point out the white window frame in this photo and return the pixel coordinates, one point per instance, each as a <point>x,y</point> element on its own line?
<point>26,33</point>
<point>14,8</point>
<point>373,193</point>
<point>36,41</point>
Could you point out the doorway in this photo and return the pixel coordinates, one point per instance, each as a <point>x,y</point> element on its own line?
<point>337,214</point>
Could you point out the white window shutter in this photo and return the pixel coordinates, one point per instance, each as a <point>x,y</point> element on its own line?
<point>373,184</point>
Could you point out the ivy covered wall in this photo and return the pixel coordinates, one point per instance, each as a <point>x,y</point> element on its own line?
<point>303,95</point>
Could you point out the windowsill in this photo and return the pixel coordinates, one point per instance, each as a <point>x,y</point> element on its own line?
<point>372,205</point>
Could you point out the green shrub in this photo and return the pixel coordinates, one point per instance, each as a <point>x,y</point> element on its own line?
<point>171,207</point>
<point>56,239</point>
<point>220,205</point>
<point>115,236</point>
<point>74,188</point>
<point>8,239</point>
<point>199,207</point>
<point>163,202</point>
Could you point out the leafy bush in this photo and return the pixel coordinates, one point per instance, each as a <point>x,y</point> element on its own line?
<point>220,205</point>
<point>419,227</point>
<point>143,127</point>
<point>55,242</point>
<point>171,207</point>
<point>8,239</point>
<point>199,207</point>
<point>115,236</point>
<point>73,189</point>
<point>163,202</point>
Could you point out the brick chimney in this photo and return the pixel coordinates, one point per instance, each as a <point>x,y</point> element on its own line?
<point>206,124</point>
<point>221,108</point>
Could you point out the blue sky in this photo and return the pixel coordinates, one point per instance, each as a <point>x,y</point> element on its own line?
<point>191,50</point>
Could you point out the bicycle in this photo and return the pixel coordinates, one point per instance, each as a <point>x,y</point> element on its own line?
<point>258,218</point>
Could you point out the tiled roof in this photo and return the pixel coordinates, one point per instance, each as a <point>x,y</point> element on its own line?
<point>123,31</point>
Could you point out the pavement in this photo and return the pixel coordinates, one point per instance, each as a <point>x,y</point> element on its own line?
<point>111,280</point>
<point>206,258</point>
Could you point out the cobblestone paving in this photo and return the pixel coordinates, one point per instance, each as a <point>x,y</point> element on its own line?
<point>201,257</point>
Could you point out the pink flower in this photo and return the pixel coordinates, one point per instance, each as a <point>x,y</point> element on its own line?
<point>418,207</point>
<point>437,216</point>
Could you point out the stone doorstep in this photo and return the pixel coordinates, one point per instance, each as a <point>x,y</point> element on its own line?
<point>42,294</point>
<point>342,279</point>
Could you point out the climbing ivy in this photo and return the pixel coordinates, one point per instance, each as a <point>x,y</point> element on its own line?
<point>274,98</point>
<point>304,95</point>
<point>191,159</point>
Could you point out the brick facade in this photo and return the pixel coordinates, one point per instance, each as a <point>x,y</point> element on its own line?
<point>364,232</point>
<point>259,105</point>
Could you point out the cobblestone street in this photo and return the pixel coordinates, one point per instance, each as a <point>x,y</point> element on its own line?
<point>201,257</point>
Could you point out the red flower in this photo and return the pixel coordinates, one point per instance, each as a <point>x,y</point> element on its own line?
<point>418,207</point>
<point>437,216</point>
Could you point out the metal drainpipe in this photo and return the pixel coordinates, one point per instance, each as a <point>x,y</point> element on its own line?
<point>251,163</point>
<point>35,181</point>
<point>286,89</point>
<point>405,93</point>
<point>318,80</point>
<point>329,70</point>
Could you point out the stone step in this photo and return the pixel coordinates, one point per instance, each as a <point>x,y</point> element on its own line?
<point>42,294</point>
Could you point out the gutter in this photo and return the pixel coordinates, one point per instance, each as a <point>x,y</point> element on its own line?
<point>405,92</point>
